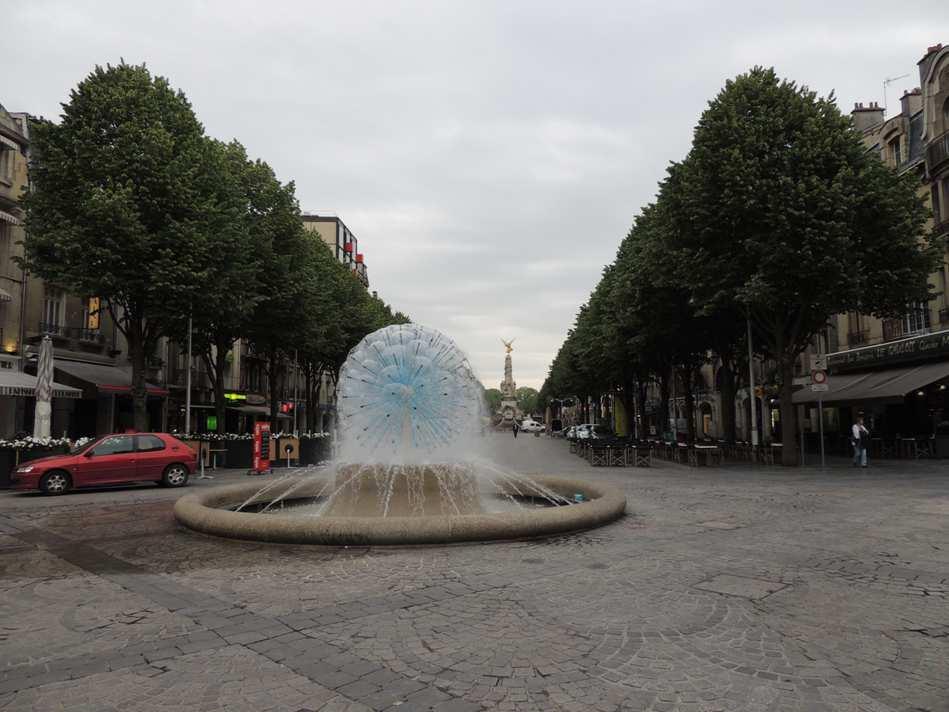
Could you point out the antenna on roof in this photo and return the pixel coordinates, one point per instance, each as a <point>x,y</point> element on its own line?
<point>886,83</point>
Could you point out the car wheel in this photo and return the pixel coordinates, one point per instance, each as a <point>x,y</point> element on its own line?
<point>175,476</point>
<point>55,482</point>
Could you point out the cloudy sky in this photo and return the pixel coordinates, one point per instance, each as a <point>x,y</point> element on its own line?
<point>489,156</point>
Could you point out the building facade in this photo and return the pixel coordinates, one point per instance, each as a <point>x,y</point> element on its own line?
<point>341,241</point>
<point>895,372</point>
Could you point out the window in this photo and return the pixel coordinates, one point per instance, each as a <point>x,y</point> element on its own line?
<point>54,308</point>
<point>935,195</point>
<point>150,443</point>
<point>945,114</point>
<point>114,445</point>
<point>916,319</point>
<point>896,151</point>
<point>6,163</point>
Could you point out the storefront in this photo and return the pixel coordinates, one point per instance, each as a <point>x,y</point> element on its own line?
<point>900,387</point>
<point>106,403</point>
<point>18,402</point>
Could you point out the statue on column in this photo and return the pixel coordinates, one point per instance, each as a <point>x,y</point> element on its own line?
<point>508,410</point>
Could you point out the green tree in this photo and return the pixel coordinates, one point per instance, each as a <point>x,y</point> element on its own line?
<point>220,314</point>
<point>119,208</point>
<point>787,218</point>
<point>492,399</point>
<point>526,399</point>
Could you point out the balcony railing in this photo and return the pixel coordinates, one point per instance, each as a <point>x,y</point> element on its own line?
<point>91,336</point>
<point>858,338</point>
<point>937,153</point>
<point>941,227</point>
<point>892,329</point>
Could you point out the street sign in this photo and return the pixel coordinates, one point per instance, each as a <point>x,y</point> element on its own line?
<point>819,363</point>
<point>820,387</point>
<point>818,376</point>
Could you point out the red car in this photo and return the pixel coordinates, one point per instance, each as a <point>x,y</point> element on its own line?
<point>114,459</point>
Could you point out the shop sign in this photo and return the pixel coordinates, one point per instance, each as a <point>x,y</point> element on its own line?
<point>918,347</point>
<point>235,397</point>
<point>261,447</point>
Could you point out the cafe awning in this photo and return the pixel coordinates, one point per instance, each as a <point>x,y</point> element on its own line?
<point>101,378</point>
<point>258,410</point>
<point>888,385</point>
<point>15,383</point>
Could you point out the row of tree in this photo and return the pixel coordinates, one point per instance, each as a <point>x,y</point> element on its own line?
<point>776,220</point>
<point>526,397</point>
<point>132,202</point>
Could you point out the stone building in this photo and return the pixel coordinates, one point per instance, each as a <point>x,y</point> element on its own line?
<point>896,371</point>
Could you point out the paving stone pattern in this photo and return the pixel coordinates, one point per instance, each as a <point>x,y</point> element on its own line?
<point>725,589</point>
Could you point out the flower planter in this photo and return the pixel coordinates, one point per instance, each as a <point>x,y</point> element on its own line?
<point>240,453</point>
<point>314,450</point>
<point>10,458</point>
<point>278,453</point>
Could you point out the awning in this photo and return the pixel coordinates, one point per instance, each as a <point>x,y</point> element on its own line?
<point>15,383</point>
<point>5,296</point>
<point>889,385</point>
<point>101,377</point>
<point>257,410</point>
<point>12,219</point>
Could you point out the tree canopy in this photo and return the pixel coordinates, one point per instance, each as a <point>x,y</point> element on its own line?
<point>778,215</point>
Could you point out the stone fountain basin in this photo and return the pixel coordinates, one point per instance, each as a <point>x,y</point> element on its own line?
<point>210,513</point>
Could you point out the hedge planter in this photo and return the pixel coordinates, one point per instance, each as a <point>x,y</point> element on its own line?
<point>314,450</point>
<point>240,453</point>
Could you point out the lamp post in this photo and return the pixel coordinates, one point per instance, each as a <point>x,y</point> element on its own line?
<point>188,382</point>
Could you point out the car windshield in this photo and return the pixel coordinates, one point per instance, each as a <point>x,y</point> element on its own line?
<point>79,449</point>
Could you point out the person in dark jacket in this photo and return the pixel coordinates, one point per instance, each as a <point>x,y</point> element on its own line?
<point>515,428</point>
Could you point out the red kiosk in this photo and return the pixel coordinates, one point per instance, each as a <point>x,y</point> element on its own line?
<point>261,463</point>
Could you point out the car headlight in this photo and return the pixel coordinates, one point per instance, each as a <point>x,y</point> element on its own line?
<point>25,468</point>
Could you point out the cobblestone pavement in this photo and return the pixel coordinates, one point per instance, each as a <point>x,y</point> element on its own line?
<point>726,589</point>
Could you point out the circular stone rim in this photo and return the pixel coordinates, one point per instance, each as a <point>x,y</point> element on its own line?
<point>209,513</point>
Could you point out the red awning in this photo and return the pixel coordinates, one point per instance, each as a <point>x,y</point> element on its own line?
<point>101,377</point>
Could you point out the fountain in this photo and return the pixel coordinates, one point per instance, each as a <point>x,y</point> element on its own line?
<point>409,468</point>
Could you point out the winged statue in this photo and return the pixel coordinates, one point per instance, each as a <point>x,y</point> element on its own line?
<point>509,344</point>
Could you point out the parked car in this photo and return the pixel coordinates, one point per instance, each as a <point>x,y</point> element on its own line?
<point>111,460</point>
<point>570,433</point>
<point>591,431</point>
<point>531,426</point>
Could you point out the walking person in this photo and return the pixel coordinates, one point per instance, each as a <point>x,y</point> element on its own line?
<point>515,428</point>
<point>860,437</point>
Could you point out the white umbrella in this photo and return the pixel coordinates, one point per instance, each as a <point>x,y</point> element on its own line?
<point>42,422</point>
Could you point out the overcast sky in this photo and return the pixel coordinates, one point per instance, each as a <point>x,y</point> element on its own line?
<point>489,156</point>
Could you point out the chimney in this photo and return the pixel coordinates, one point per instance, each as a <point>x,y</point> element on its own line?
<point>926,62</point>
<point>911,102</point>
<point>866,117</point>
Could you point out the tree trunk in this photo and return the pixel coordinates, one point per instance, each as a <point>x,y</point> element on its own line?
<point>222,346</point>
<point>272,384</point>
<point>628,408</point>
<point>136,339</point>
<point>689,398</point>
<point>790,456</point>
<point>308,397</point>
<point>663,405</point>
<point>727,395</point>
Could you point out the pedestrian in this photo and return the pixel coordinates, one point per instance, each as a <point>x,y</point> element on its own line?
<point>860,438</point>
<point>515,430</point>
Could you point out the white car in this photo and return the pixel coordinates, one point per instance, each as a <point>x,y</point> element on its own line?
<point>531,426</point>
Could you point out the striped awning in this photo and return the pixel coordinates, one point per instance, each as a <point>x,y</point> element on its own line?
<point>15,383</point>
<point>12,219</point>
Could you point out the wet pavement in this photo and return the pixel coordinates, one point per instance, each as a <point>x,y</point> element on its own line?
<point>729,589</point>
